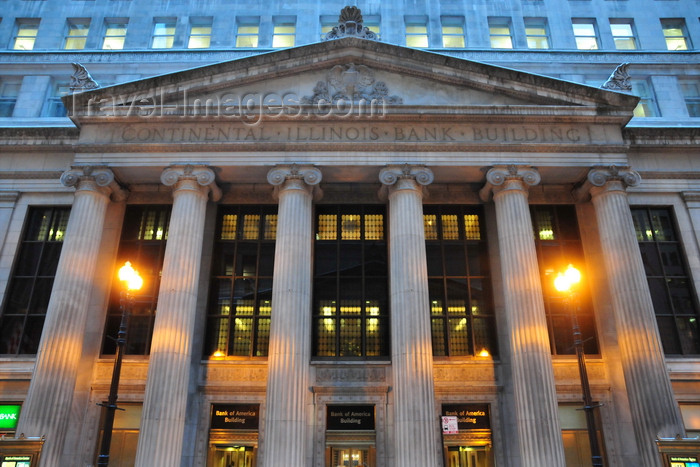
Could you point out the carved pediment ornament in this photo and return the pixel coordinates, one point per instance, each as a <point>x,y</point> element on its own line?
<point>619,80</point>
<point>81,79</point>
<point>350,84</point>
<point>350,25</point>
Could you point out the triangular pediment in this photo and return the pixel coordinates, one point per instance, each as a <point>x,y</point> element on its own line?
<point>344,75</point>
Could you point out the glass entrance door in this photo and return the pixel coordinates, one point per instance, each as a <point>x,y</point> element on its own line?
<point>468,456</point>
<point>350,457</point>
<point>234,456</point>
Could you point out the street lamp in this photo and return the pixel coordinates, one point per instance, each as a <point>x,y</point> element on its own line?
<point>566,283</point>
<point>131,281</point>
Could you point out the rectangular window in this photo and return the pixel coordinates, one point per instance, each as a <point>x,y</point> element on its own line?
<point>416,33</point>
<point>76,34</point>
<point>691,418</point>
<point>373,23</point>
<point>125,434</point>
<point>669,282</point>
<point>558,244</point>
<point>453,32</point>
<point>240,299</point>
<point>647,103</point>
<point>623,34</point>
<point>574,433</point>
<point>248,34</point>
<point>8,97</point>
<point>22,318</point>
<point>200,33</point>
<point>115,34</point>
<point>675,33</point>
<point>143,239</point>
<point>537,33</point>
<point>350,305</point>
<point>26,31</point>
<point>585,34</point>
<point>459,282</point>
<point>327,24</point>
<point>54,104</point>
<point>284,34</point>
<point>691,94</point>
<point>500,33</point>
<point>164,33</point>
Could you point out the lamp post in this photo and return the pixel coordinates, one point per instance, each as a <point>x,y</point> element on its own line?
<point>131,281</point>
<point>566,283</point>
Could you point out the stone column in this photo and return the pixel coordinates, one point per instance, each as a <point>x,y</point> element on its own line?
<point>536,411</point>
<point>165,401</point>
<point>654,409</point>
<point>415,418</point>
<point>285,441</point>
<point>46,410</point>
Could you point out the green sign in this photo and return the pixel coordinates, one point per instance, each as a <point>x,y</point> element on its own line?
<point>9,414</point>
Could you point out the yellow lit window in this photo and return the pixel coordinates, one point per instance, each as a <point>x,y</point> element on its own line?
<point>585,34</point>
<point>26,35</point>
<point>251,226</point>
<point>623,36</point>
<point>500,36</point>
<point>228,227</point>
<point>450,228</point>
<point>472,231</point>
<point>675,34</point>
<point>453,37</point>
<point>247,36</point>
<point>327,228</point>
<point>77,36</point>
<point>430,226</point>
<point>115,34</point>
<point>350,224</point>
<point>283,35</point>
<point>200,37</point>
<point>417,35</point>
<point>536,33</point>
<point>163,35</point>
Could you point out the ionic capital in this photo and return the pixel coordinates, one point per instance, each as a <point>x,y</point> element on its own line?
<point>599,177</point>
<point>200,174</point>
<point>94,178</point>
<point>394,177</point>
<point>299,176</point>
<point>498,176</point>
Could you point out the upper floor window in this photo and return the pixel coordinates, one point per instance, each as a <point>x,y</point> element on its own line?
<point>164,33</point>
<point>54,104</point>
<point>284,34</point>
<point>26,31</point>
<point>115,34</point>
<point>248,34</point>
<point>670,284</point>
<point>200,33</point>
<point>9,90</point>
<point>558,244</point>
<point>459,282</point>
<point>76,34</point>
<point>691,94</point>
<point>350,304</point>
<point>31,281</point>
<point>623,34</point>
<point>143,240</point>
<point>240,298</point>
<point>500,33</point>
<point>647,103</point>
<point>675,33</point>
<point>374,24</point>
<point>416,33</point>
<point>537,33</point>
<point>585,33</point>
<point>452,32</point>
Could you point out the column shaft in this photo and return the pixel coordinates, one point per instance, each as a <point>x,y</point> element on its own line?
<point>654,410</point>
<point>537,417</point>
<point>165,401</point>
<point>46,409</point>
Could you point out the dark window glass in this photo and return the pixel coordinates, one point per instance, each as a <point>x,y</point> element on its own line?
<point>459,282</point>
<point>240,297</point>
<point>31,281</point>
<point>669,282</point>
<point>144,235</point>
<point>350,317</point>
<point>558,245</point>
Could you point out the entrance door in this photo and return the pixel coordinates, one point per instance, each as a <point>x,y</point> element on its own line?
<point>468,456</point>
<point>351,457</point>
<point>234,456</point>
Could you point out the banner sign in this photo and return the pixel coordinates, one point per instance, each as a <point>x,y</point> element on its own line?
<point>469,416</point>
<point>350,417</point>
<point>9,414</point>
<point>235,416</point>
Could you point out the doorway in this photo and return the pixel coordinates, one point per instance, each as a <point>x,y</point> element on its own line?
<point>469,456</point>
<point>233,456</point>
<point>350,457</point>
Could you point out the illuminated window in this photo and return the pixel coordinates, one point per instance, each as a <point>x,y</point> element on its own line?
<point>452,32</point>
<point>284,35</point>
<point>675,33</point>
<point>691,94</point>
<point>22,318</point>
<point>558,244</point>
<point>670,284</point>
<point>416,33</point>
<point>115,34</point>
<point>248,34</point>
<point>350,318</point>
<point>200,34</point>
<point>461,308</point>
<point>238,321</point>
<point>76,34</point>
<point>500,33</point>
<point>574,433</point>
<point>585,34</point>
<point>143,240</point>
<point>8,97</point>
<point>537,33</point>
<point>54,104</point>
<point>691,419</point>
<point>647,104</point>
<point>125,434</point>
<point>164,33</point>
<point>623,34</point>
<point>26,31</point>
